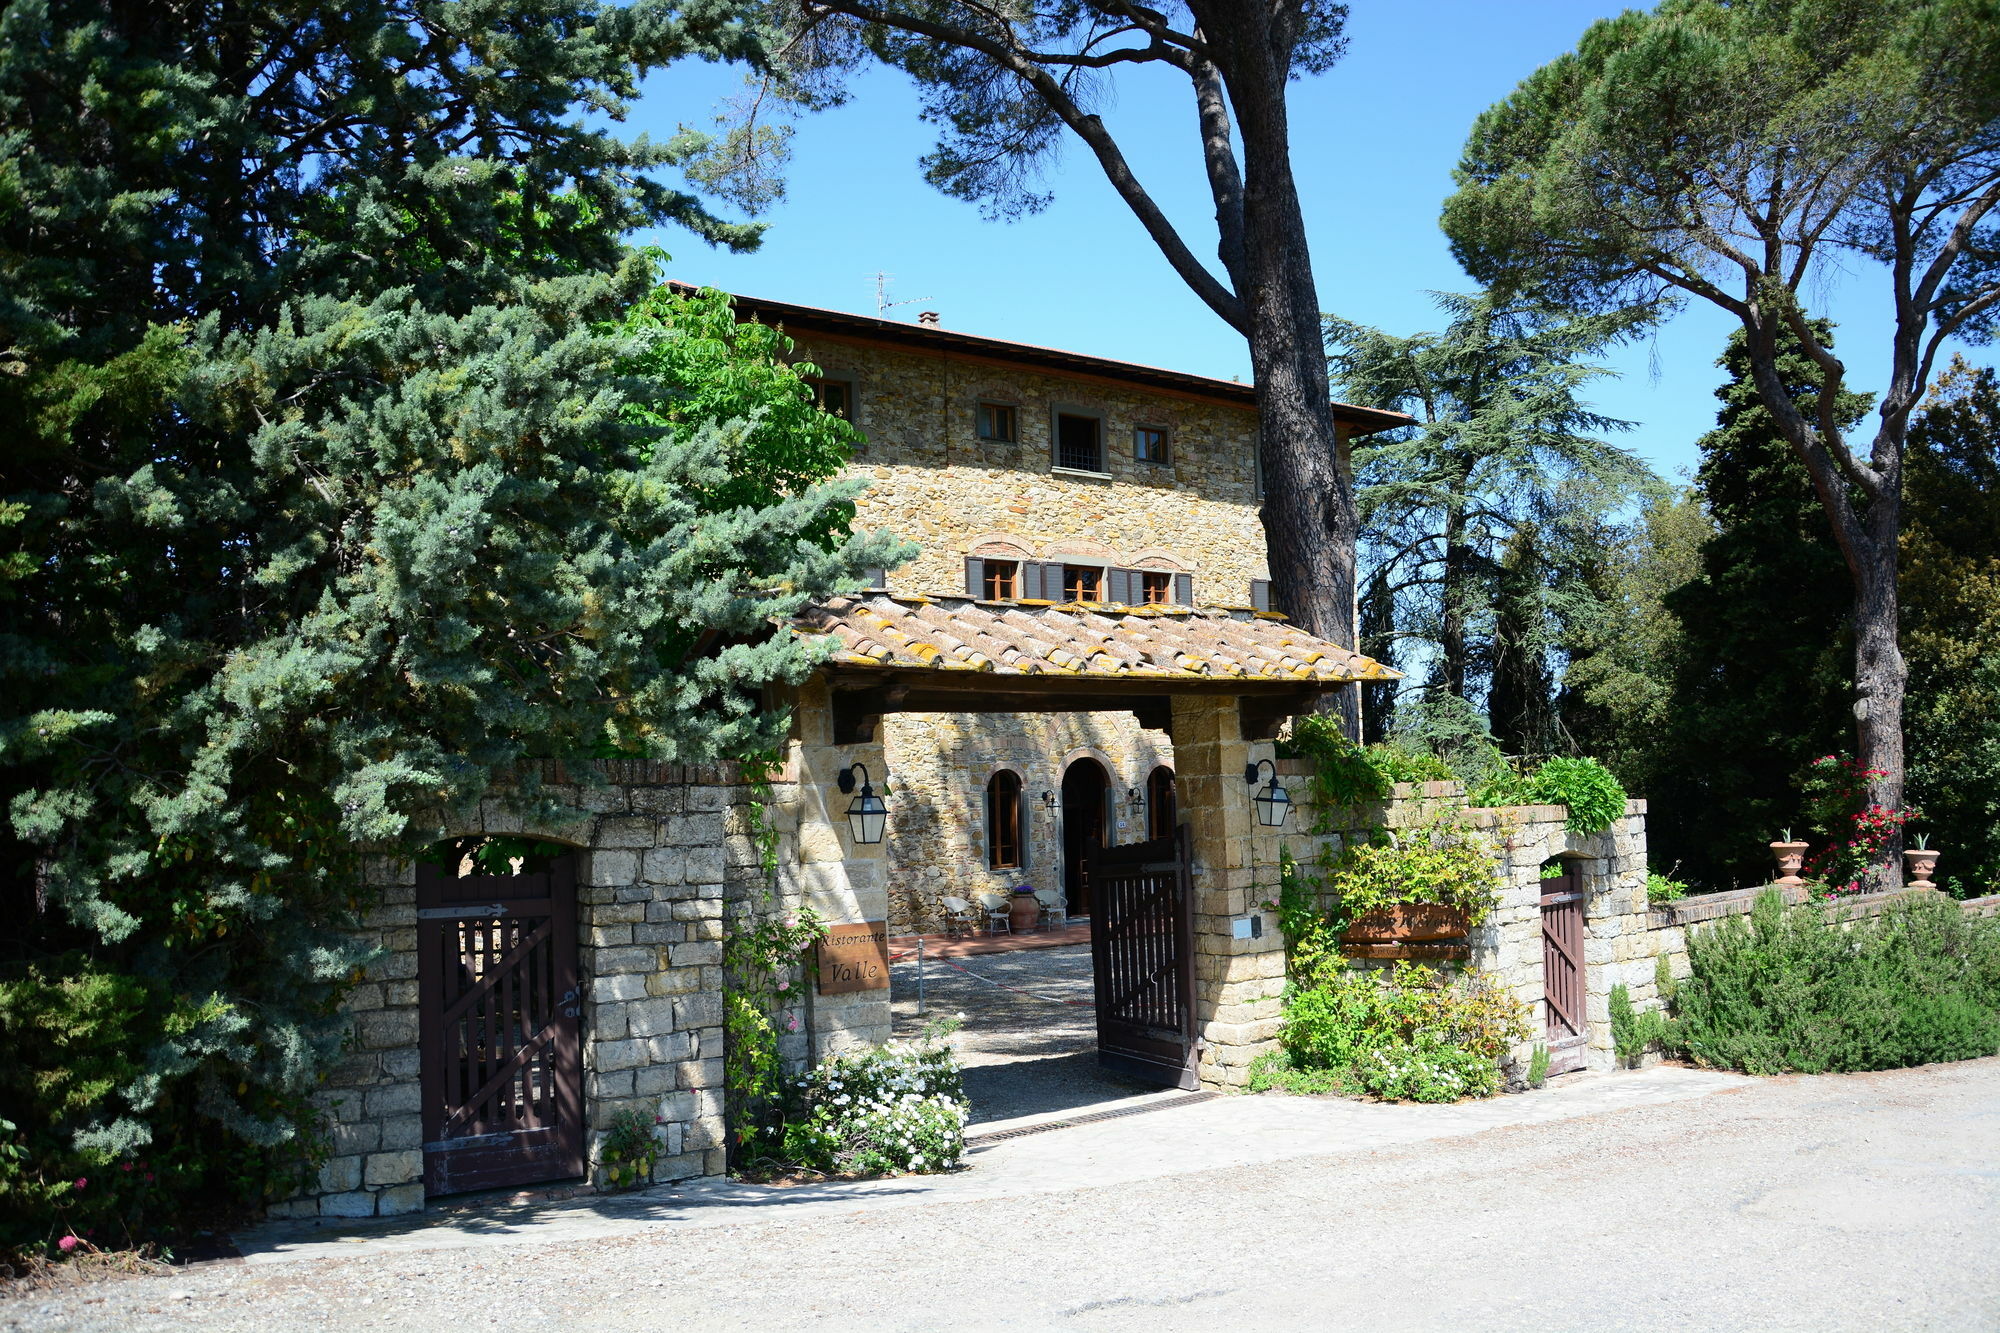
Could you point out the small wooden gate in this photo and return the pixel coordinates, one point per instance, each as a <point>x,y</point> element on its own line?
<point>1142,948</point>
<point>1567,1034</point>
<point>500,1028</point>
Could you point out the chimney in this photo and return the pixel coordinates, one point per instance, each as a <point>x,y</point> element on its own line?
<point>928,318</point>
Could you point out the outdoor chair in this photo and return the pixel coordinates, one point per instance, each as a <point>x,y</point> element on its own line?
<point>1055,909</point>
<point>958,917</point>
<point>999,920</point>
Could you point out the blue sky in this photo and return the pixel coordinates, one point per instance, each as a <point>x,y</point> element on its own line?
<point>1374,142</point>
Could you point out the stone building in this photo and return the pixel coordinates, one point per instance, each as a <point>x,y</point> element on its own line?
<point>1035,476</point>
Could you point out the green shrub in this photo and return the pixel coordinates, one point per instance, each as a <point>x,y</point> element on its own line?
<point>1345,774</point>
<point>1274,1072</point>
<point>1595,798</point>
<point>1440,862</point>
<point>1804,989</point>
<point>631,1146</point>
<point>1660,889</point>
<point>1427,1068</point>
<point>1632,1032</point>
<point>1389,1030</point>
<point>1538,1066</point>
<point>892,1109</point>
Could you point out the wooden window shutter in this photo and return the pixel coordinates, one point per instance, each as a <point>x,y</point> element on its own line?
<point>1184,589</point>
<point>975,577</point>
<point>1260,594</point>
<point>1051,582</point>
<point>1120,589</point>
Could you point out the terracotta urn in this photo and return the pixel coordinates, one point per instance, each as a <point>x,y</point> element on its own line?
<point>1791,856</point>
<point>1402,923</point>
<point>1023,911</point>
<point>1918,863</point>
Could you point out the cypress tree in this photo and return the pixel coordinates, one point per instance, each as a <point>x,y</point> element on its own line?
<point>339,488</point>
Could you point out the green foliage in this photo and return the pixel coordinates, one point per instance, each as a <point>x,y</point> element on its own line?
<point>1807,989</point>
<point>1835,790</point>
<point>1443,861</point>
<point>631,1146</point>
<point>1410,1032</point>
<point>1595,798</point>
<point>336,492</point>
<point>1538,1066</point>
<point>1661,889</point>
<point>887,1110</point>
<point>1274,1071</point>
<point>1631,1031</point>
<point>1345,775</point>
<point>763,955</point>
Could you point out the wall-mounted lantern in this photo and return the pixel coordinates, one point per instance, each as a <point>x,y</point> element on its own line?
<point>1135,802</point>
<point>1049,801</point>
<point>1273,803</point>
<point>867,815</point>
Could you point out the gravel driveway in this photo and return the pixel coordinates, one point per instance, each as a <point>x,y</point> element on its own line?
<point>1841,1202</point>
<point>1030,1037</point>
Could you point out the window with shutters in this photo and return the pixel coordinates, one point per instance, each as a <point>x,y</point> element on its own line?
<point>997,423</point>
<point>1149,444</point>
<point>1003,821</point>
<point>1082,583</point>
<point>834,397</point>
<point>1260,594</point>
<point>1162,804</point>
<point>1000,580</point>
<point>1079,442</point>
<point>1155,588</point>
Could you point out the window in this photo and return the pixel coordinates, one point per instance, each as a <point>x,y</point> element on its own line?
<point>1155,589</point>
<point>997,423</point>
<point>1149,444</point>
<point>834,397</point>
<point>1003,821</point>
<point>1083,583</point>
<point>1260,594</point>
<point>1079,442</point>
<point>1162,806</point>
<point>1000,580</point>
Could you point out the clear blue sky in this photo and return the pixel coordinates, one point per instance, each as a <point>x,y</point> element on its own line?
<point>1374,142</point>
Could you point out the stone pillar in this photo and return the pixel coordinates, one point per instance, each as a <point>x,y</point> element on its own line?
<point>1238,983</point>
<point>822,867</point>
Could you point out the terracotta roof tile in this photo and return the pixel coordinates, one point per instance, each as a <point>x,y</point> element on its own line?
<point>891,632</point>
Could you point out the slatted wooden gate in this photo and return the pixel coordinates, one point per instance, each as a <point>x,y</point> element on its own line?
<point>500,1027</point>
<point>1142,947</point>
<point>1567,1035</point>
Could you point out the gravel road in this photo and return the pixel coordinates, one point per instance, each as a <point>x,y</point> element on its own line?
<point>1850,1202</point>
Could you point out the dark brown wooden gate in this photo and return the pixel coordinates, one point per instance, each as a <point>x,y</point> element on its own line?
<point>500,1025</point>
<point>1567,1035</point>
<point>1142,947</point>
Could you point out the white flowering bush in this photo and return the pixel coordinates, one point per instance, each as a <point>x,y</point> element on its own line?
<point>894,1109</point>
<point>1427,1068</point>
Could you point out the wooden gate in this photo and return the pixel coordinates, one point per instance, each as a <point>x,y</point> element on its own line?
<point>500,1027</point>
<point>1566,1033</point>
<point>1142,948</point>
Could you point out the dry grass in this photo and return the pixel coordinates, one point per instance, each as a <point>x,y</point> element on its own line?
<point>38,1274</point>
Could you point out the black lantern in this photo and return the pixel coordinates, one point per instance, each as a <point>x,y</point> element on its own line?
<point>1273,803</point>
<point>1135,802</point>
<point>867,815</point>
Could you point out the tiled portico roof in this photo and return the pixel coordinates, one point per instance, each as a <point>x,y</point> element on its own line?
<point>1080,640</point>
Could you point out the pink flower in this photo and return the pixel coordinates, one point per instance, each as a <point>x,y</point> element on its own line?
<point>149,1175</point>
<point>784,985</point>
<point>81,1182</point>
<point>66,1244</point>
<point>126,1167</point>
<point>792,1023</point>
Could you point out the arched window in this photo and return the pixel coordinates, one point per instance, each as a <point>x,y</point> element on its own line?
<point>1162,809</point>
<point>1004,840</point>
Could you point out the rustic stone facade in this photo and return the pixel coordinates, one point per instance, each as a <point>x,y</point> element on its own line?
<point>933,481</point>
<point>657,844</point>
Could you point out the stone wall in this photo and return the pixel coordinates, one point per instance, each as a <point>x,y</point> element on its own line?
<point>933,481</point>
<point>1619,944</point>
<point>937,843</point>
<point>657,844</point>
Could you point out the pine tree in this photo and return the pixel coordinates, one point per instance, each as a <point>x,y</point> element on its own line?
<point>1759,688</point>
<point>340,489</point>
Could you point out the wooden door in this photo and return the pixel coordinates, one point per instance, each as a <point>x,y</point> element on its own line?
<point>1566,1033</point>
<point>500,1025</point>
<point>1142,949</point>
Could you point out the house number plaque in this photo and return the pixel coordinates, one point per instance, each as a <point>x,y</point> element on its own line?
<point>854,957</point>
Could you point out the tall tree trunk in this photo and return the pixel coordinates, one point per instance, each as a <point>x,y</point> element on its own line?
<point>1880,675</point>
<point>1310,522</point>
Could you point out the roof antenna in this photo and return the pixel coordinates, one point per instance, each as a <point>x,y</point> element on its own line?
<point>883,305</point>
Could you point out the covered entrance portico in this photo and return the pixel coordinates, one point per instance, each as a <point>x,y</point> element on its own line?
<point>1198,959</point>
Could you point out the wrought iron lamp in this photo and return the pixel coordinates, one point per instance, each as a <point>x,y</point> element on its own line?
<point>1135,802</point>
<point>1049,801</point>
<point>1273,803</point>
<point>867,814</point>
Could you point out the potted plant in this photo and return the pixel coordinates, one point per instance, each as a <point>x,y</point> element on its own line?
<point>1430,883</point>
<point>1918,863</point>
<point>1023,909</point>
<point>1791,856</point>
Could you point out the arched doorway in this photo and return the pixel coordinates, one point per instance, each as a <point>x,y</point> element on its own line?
<point>1163,813</point>
<point>1086,798</point>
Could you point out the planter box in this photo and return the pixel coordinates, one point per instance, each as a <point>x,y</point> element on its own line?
<point>1406,923</point>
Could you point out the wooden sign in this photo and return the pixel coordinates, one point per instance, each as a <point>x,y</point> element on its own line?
<point>854,957</point>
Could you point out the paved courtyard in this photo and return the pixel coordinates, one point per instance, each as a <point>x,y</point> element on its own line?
<point>1663,1199</point>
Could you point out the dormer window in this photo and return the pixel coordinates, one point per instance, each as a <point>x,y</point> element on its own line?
<point>1079,442</point>
<point>998,423</point>
<point>1083,583</point>
<point>1156,588</point>
<point>1001,580</point>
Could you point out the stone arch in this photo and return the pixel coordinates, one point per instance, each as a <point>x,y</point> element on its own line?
<point>1153,557</point>
<point>1004,545</point>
